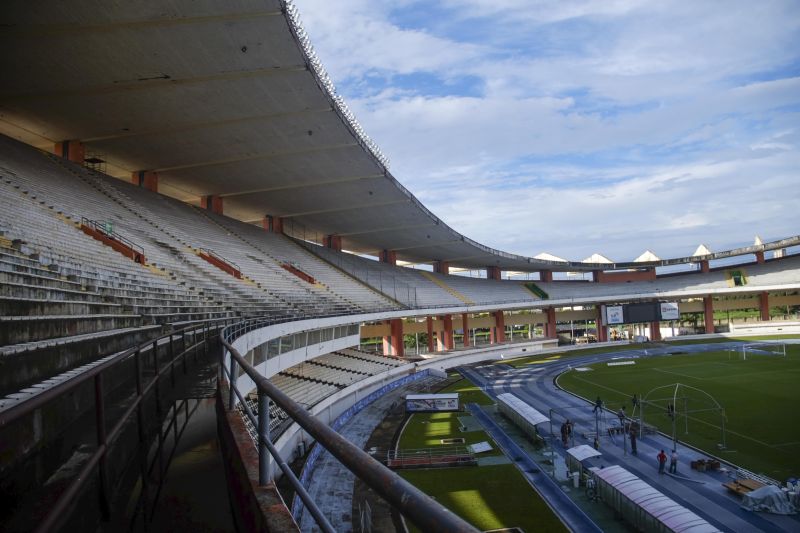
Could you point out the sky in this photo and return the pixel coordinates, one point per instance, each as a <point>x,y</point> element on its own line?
<point>575,127</point>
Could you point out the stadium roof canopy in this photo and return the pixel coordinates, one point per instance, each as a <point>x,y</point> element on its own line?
<point>222,98</point>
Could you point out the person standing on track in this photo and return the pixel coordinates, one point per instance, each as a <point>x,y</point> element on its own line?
<point>662,460</point>
<point>633,440</point>
<point>673,462</point>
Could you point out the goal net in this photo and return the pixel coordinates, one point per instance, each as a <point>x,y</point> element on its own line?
<point>762,349</point>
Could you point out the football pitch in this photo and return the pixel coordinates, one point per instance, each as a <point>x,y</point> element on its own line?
<point>759,396</point>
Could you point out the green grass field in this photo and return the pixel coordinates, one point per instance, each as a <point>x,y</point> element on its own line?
<point>489,497</point>
<point>759,396</point>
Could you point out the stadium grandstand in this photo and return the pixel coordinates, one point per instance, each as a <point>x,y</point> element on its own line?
<point>219,208</point>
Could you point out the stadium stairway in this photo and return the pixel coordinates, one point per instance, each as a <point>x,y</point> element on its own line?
<point>447,288</point>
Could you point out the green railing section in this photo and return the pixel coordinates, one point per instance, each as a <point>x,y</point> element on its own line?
<point>535,289</point>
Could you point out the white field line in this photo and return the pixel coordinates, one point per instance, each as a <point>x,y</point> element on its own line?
<point>727,430</point>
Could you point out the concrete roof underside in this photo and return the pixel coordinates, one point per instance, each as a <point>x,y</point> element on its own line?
<point>223,98</point>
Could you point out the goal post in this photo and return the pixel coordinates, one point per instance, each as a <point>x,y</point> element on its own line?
<point>762,349</point>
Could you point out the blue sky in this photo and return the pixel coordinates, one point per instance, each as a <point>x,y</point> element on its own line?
<point>576,127</point>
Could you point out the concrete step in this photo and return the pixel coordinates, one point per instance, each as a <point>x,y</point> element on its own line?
<point>27,363</point>
<point>33,307</point>
<point>22,329</point>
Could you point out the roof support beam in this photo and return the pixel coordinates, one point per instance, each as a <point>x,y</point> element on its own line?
<point>207,124</point>
<point>389,228</point>
<point>163,81</point>
<point>290,186</point>
<point>426,244</point>
<point>51,30</point>
<point>346,208</point>
<point>258,156</point>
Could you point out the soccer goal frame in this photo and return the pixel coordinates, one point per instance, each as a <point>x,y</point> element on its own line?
<point>762,349</point>
<point>676,400</point>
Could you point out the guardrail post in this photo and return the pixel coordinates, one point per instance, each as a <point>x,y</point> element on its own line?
<point>171,350</point>
<point>100,421</point>
<point>264,462</point>
<point>232,382</point>
<point>157,370</point>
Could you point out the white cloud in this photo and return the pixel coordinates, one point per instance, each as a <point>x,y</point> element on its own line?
<point>589,126</point>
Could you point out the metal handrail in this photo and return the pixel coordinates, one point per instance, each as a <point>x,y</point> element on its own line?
<point>218,257</point>
<point>59,511</point>
<point>421,509</point>
<point>98,226</point>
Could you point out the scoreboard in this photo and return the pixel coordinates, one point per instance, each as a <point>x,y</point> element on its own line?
<point>640,312</point>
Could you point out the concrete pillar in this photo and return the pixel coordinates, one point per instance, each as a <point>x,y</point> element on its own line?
<point>393,344</point>
<point>550,327</point>
<point>760,258</point>
<point>145,178</point>
<point>465,327</point>
<point>655,331</point>
<point>388,256</point>
<point>602,331</point>
<point>493,272</point>
<point>546,275</point>
<point>704,267</point>
<point>272,224</point>
<point>429,322</point>
<point>212,202</point>
<point>447,321</point>
<point>499,326</point>
<point>333,242</point>
<point>73,151</point>
<point>708,311</point>
<point>441,267</point>
<point>763,304</point>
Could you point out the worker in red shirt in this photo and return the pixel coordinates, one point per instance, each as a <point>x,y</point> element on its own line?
<point>662,460</point>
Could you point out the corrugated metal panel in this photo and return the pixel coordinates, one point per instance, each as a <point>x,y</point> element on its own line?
<point>671,515</point>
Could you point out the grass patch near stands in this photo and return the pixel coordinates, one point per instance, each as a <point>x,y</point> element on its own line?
<point>759,396</point>
<point>489,497</point>
<point>425,430</point>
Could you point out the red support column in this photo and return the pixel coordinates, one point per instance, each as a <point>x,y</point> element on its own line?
<point>704,267</point>
<point>447,320</point>
<point>333,242</point>
<point>145,178</point>
<point>708,311</point>
<point>602,331</point>
<point>596,275</point>
<point>71,150</point>
<point>760,258</point>
<point>550,327</point>
<point>546,275</point>
<point>493,272</point>
<point>441,267</point>
<point>499,326</point>
<point>431,340</point>
<point>388,256</point>
<point>655,331</point>
<point>272,224</point>
<point>393,344</point>
<point>465,327</point>
<point>763,304</point>
<point>212,202</point>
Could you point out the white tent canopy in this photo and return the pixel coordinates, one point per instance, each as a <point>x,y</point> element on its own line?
<point>583,451</point>
<point>702,249</point>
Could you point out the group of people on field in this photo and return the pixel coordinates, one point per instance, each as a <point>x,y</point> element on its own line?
<point>566,430</point>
